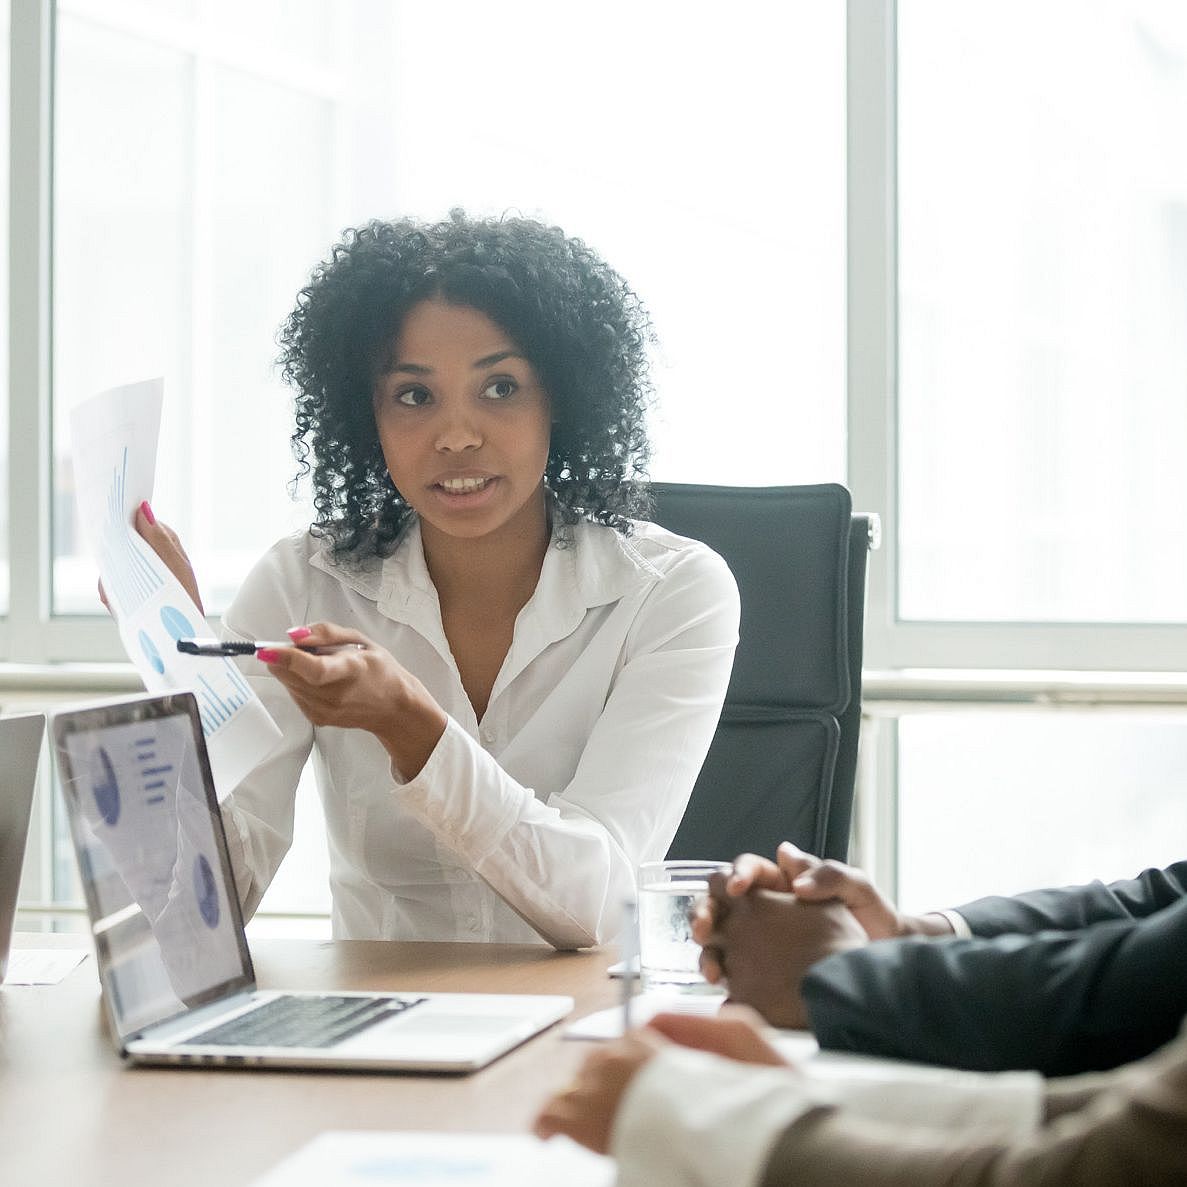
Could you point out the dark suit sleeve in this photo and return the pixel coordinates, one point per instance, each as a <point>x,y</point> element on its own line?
<point>1057,1002</point>
<point>1072,907</point>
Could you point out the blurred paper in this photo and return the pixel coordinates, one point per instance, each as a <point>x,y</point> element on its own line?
<point>42,966</point>
<point>607,1024</point>
<point>115,451</point>
<point>348,1159</point>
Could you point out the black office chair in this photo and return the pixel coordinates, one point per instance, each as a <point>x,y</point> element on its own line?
<point>783,763</point>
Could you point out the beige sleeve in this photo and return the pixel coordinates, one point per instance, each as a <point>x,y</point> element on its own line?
<point>1132,1130</point>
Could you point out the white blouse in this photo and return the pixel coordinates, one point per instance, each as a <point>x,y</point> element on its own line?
<point>530,823</point>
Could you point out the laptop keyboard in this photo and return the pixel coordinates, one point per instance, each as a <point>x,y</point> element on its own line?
<point>318,1021</point>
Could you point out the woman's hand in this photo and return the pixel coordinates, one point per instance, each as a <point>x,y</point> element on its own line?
<point>359,687</point>
<point>166,543</point>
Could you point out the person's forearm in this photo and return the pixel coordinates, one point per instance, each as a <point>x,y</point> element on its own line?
<point>1057,1002</point>
<point>412,731</point>
<point>1131,1129</point>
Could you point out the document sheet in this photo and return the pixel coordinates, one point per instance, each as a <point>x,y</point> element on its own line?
<point>114,439</point>
<point>350,1159</point>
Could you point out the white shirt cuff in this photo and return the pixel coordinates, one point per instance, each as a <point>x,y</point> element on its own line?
<point>693,1118</point>
<point>462,795</point>
<point>957,921</point>
<point>690,1119</point>
<point>1005,1104</point>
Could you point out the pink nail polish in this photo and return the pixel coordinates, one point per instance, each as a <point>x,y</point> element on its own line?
<point>298,633</point>
<point>148,512</point>
<point>268,655</point>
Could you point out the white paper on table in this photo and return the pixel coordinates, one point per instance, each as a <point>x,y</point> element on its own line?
<point>41,966</point>
<point>624,968</point>
<point>354,1159</point>
<point>115,450</point>
<point>607,1024</point>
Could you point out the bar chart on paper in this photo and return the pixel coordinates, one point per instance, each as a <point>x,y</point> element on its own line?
<point>220,687</point>
<point>134,577</point>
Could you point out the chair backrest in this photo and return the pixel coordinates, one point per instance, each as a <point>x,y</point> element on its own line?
<point>783,762</point>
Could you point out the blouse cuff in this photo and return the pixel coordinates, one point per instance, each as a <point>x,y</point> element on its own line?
<point>462,796</point>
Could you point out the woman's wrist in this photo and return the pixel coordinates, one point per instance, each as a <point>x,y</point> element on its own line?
<point>412,728</point>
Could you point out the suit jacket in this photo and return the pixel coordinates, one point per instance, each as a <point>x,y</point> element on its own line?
<point>1130,1129</point>
<point>1060,981</point>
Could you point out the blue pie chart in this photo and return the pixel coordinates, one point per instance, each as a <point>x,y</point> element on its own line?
<point>151,653</point>
<point>205,891</point>
<point>105,787</point>
<point>176,623</point>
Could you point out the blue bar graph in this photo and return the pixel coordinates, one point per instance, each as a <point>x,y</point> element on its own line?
<point>125,556</point>
<point>152,772</point>
<point>215,708</point>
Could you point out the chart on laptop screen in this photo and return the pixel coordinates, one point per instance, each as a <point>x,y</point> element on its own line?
<point>151,859</point>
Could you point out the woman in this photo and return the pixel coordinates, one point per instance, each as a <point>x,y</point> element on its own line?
<point>540,675</point>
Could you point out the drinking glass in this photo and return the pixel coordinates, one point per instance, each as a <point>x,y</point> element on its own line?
<point>669,958</point>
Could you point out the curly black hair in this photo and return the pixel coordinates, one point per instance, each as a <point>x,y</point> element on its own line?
<point>574,318</point>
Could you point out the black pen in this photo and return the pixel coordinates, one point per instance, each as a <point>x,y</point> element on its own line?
<point>226,647</point>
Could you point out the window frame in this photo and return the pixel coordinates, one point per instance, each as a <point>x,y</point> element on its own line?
<point>890,642</point>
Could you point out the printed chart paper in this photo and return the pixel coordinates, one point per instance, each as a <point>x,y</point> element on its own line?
<point>349,1159</point>
<point>115,450</point>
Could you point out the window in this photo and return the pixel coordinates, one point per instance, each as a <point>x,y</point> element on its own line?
<point>703,158</point>
<point>1036,289</point>
<point>1042,294</point>
<point>932,249</point>
<point>204,161</point>
<point>4,417</point>
<point>202,167</point>
<point>207,154</point>
<point>996,802</point>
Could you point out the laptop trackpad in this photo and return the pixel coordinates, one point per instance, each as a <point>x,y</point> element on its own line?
<point>427,1024</point>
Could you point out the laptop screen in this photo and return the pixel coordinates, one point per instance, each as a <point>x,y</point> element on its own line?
<point>152,857</point>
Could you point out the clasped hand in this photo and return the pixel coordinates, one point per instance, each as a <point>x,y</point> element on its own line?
<point>768,923</point>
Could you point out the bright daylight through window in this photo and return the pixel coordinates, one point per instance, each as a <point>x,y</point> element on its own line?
<point>207,154</point>
<point>203,166</point>
<point>1042,198</point>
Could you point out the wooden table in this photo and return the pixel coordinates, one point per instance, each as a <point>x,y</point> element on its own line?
<point>72,1115</point>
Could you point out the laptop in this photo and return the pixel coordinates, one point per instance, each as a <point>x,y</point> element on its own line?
<point>20,748</point>
<point>173,961</point>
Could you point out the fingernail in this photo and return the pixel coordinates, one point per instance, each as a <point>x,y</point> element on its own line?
<point>268,655</point>
<point>148,512</point>
<point>298,632</point>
